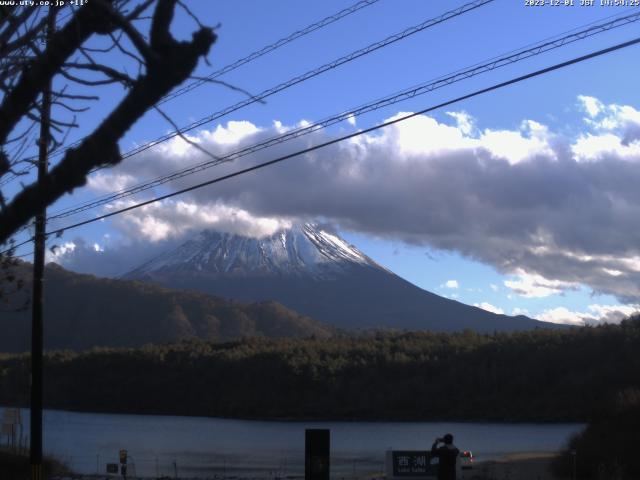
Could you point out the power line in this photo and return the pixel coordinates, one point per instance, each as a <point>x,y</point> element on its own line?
<point>13,247</point>
<point>230,67</point>
<point>494,63</point>
<point>22,255</point>
<point>346,137</point>
<point>269,48</point>
<point>314,73</point>
<point>29,253</point>
<point>476,93</point>
<point>302,78</point>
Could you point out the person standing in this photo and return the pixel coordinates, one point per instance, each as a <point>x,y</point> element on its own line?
<point>447,455</point>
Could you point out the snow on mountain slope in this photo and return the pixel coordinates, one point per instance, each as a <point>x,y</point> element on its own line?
<point>317,274</point>
<point>303,250</point>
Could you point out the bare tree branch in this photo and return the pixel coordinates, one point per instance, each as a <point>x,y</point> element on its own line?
<point>183,136</point>
<point>134,35</point>
<point>90,18</point>
<point>89,83</point>
<point>24,39</point>
<point>69,107</point>
<point>118,43</point>
<point>168,63</point>
<point>135,14</point>
<point>75,97</point>
<point>190,13</point>
<point>14,23</point>
<point>108,71</point>
<point>229,86</point>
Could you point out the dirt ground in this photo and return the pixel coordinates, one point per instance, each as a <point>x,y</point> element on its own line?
<point>518,466</point>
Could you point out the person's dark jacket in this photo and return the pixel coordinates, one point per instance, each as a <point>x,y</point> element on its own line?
<point>448,456</point>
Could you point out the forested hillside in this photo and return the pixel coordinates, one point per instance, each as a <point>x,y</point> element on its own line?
<point>551,375</point>
<point>608,447</point>
<point>82,311</point>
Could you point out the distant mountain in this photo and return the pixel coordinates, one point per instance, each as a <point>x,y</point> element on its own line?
<point>82,311</point>
<point>303,251</point>
<point>318,274</point>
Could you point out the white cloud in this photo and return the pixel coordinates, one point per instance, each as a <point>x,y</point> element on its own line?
<point>465,122</point>
<point>591,105</point>
<point>173,219</point>
<point>421,135</point>
<point>520,199</point>
<point>536,286</point>
<point>489,308</point>
<point>494,287</point>
<point>58,251</point>
<point>520,311</point>
<point>613,312</point>
<point>517,146</point>
<point>609,117</point>
<point>451,284</point>
<point>233,133</point>
<point>561,315</point>
<point>108,182</point>
<point>616,131</point>
<point>596,314</point>
<point>612,272</point>
<point>351,120</point>
<point>598,147</point>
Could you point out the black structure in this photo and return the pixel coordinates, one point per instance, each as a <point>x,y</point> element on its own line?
<point>317,446</point>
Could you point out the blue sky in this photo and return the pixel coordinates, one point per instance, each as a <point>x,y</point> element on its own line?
<point>519,152</point>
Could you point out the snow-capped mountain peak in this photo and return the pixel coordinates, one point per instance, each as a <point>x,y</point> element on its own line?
<point>303,249</point>
<point>316,273</point>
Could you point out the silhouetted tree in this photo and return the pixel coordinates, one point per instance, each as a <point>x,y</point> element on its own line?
<point>555,375</point>
<point>70,58</point>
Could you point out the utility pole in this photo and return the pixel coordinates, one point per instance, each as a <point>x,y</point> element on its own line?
<point>38,279</point>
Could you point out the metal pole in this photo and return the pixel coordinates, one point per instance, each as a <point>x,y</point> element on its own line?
<point>38,282</point>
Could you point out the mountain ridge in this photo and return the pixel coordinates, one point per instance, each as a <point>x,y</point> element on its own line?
<point>83,311</point>
<point>323,277</point>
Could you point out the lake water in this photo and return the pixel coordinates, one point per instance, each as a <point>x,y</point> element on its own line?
<point>212,447</point>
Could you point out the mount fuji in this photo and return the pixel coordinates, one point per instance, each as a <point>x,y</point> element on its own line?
<point>318,274</point>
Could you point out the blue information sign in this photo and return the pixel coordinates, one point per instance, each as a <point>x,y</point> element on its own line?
<point>414,463</point>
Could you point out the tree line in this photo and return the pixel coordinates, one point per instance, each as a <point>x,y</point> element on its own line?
<point>539,375</point>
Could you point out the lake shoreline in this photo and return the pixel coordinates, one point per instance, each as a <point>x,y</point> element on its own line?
<point>206,447</point>
<point>289,419</point>
<point>516,465</point>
